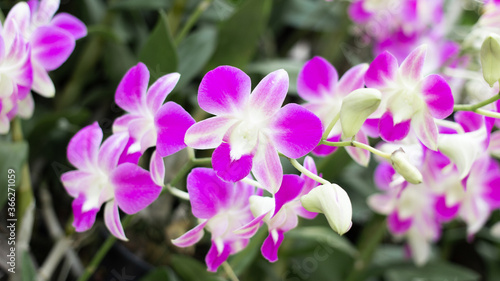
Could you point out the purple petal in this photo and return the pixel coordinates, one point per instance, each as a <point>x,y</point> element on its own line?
<point>267,98</point>
<point>324,150</point>
<point>425,129</point>
<point>42,84</point>
<point>209,132</point>
<point>361,156</point>
<point>112,220</point>
<point>83,219</point>
<point>370,127</point>
<point>132,88</point>
<point>224,91</point>
<point>290,189</point>
<point>208,193</point>
<point>295,130</point>
<point>270,246</point>
<point>470,121</point>
<point>172,121</point>
<point>397,225</point>
<point>383,175</point>
<point>309,183</point>
<point>214,259</point>
<point>46,10</point>
<point>357,13</point>
<point>353,79</point>
<point>494,147</point>
<point>160,89</point>
<point>157,168</point>
<point>249,229</point>
<point>83,147</point>
<point>70,24</point>
<point>391,132</point>
<point>411,67</point>
<point>443,212</point>
<point>437,96</point>
<point>130,154</point>
<point>382,71</point>
<point>317,79</point>
<point>76,182</point>
<point>51,47</point>
<point>191,237</point>
<point>134,188</point>
<point>267,166</point>
<point>110,151</point>
<point>228,169</point>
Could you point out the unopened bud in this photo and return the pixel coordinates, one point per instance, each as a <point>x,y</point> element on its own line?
<point>356,107</point>
<point>333,201</point>
<point>402,165</point>
<point>490,60</point>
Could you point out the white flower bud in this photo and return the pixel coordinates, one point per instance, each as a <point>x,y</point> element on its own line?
<point>490,60</point>
<point>333,201</point>
<point>402,165</point>
<point>356,107</point>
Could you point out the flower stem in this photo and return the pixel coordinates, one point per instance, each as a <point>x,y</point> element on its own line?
<point>488,113</point>
<point>306,172</point>
<point>103,250</point>
<point>192,20</point>
<point>474,107</point>
<point>330,126</point>
<point>177,192</point>
<point>229,271</point>
<point>252,182</point>
<point>359,145</point>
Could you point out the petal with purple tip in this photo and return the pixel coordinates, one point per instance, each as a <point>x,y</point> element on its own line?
<point>267,98</point>
<point>209,132</point>
<point>172,121</point>
<point>382,71</point>
<point>411,67</point>
<point>295,131</point>
<point>215,258</point>
<point>437,96</point>
<point>83,148</point>
<point>83,219</point>
<point>290,189</point>
<point>267,166</point>
<point>51,47</point>
<point>398,225</point>
<point>324,150</point>
<point>191,237</point>
<point>390,131</point>
<point>134,188</point>
<point>229,169</point>
<point>110,151</point>
<point>317,79</point>
<point>353,79</point>
<point>132,88</point>
<point>160,89</point>
<point>112,220</point>
<point>70,24</point>
<point>271,245</point>
<point>224,90</point>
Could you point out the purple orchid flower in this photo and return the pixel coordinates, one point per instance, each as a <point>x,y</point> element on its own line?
<point>101,178</point>
<point>222,209</point>
<point>318,84</point>
<point>409,100</point>
<point>249,130</point>
<point>148,121</point>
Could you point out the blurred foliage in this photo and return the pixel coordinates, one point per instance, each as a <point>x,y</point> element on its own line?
<point>258,36</point>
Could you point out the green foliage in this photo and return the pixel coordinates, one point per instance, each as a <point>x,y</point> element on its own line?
<point>435,271</point>
<point>326,236</point>
<point>161,274</point>
<point>13,157</point>
<point>190,269</point>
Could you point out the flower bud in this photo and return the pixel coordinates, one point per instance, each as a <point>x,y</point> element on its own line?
<point>356,107</point>
<point>402,165</point>
<point>333,201</point>
<point>490,60</point>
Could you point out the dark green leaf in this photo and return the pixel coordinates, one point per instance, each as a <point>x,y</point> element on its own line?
<point>194,52</point>
<point>435,271</point>
<point>117,60</point>
<point>238,36</point>
<point>190,269</point>
<point>315,15</point>
<point>159,52</point>
<point>161,274</point>
<point>324,235</point>
<point>29,270</point>
<point>141,4</point>
<point>242,260</point>
<point>12,156</point>
<point>292,67</point>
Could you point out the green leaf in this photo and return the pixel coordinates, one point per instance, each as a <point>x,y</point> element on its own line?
<point>317,15</point>
<point>159,53</point>
<point>435,271</point>
<point>161,274</point>
<point>141,4</point>
<point>490,60</point>
<point>117,60</point>
<point>194,53</point>
<point>12,156</point>
<point>29,271</point>
<point>324,235</point>
<point>292,67</point>
<point>190,269</point>
<point>242,260</point>
<point>239,35</point>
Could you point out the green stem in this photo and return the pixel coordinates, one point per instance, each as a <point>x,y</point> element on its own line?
<point>359,145</point>
<point>306,172</point>
<point>177,192</point>
<point>488,113</point>
<point>101,253</point>
<point>330,126</point>
<point>229,271</point>
<point>371,237</point>
<point>474,107</point>
<point>192,20</point>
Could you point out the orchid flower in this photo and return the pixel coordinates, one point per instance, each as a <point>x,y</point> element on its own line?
<point>318,84</point>
<point>409,100</point>
<point>148,121</point>
<point>101,178</point>
<point>249,129</point>
<point>222,208</point>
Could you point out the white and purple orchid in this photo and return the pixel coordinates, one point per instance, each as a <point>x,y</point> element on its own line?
<point>250,128</point>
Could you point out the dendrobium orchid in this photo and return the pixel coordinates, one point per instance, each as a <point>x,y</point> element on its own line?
<point>249,129</point>
<point>101,178</point>
<point>222,209</point>
<point>409,100</point>
<point>148,121</point>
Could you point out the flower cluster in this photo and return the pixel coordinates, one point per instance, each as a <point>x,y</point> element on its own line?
<point>33,41</point>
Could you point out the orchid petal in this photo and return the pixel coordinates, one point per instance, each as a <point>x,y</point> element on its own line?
<point>42,84</point>
<point>382,71</point>
<point>267,98</point>
<point>398,225</point>
<point>267,166</point>
<point>390,131</point>
<point>209,132</point>
<point>83,148</point>
<point>317,79</point>
<point>172,121</point>
<point>271,245</point>
<point>46,10</point>
<point>20,14</point>
<point>229,169</point>
<point>437,96</point>
<point>224,91</point>
<point>51,47</point>
<point>411,67</point>
<point>157,168</point>
<point>191,237</point>
<point>290,189</point>
<point>361,156</point>
<point>83,219</point>
<point>160,89</point>
<point>215,258</point>
<point>353,79</point>
<point>112,220</point>
<point>110,151</point>
<point>425,129</point>
<point>132,88</point>
<point>70,24</point>
<point>324,150</point>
